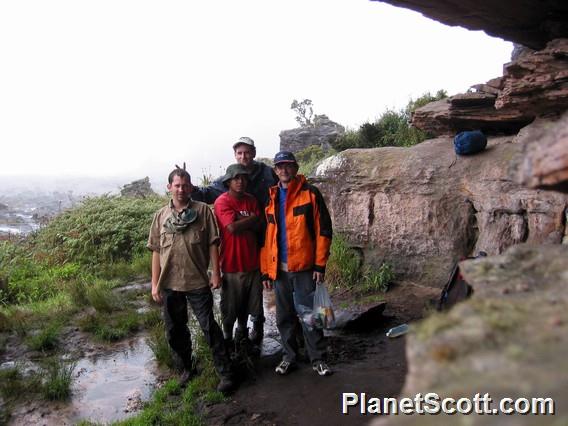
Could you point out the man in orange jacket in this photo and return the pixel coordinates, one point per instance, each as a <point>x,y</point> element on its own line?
<point>294,256</point>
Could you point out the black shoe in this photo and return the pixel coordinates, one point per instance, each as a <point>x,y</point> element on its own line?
<point>225,385</point>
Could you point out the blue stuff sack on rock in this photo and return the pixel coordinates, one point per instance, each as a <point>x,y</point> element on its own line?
<point>470,142</point>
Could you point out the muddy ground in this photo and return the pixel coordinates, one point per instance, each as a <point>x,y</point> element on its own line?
<point>363,361</point>
<point>366,362</point>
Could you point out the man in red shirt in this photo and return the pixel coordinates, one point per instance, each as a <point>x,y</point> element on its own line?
<point>238,214</point>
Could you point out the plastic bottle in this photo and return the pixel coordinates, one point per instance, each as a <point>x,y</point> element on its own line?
<point>398,330</point>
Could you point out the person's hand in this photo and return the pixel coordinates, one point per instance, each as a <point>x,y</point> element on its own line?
<point>156,295</point>
<point>318,277</point>
<point>215,281</point>
<point>267,284</point>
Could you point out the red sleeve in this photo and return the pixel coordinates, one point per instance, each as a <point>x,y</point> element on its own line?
<point>224,213</point>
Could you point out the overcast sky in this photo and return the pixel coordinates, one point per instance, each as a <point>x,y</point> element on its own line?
<point>130,87</point>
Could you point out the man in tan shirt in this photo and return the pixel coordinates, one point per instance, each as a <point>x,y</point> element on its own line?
<point>184,239</point>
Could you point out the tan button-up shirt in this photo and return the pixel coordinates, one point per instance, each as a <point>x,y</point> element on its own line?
<point>184,257</point>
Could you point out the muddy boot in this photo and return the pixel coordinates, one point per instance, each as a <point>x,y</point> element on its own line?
<point>257,333</point>
<point>241,333</point>
<point>230,347</point>
<point>226,385</point>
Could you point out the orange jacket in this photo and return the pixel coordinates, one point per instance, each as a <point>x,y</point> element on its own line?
<point>308,229</point>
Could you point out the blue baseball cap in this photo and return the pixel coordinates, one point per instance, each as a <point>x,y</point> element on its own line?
<point>284,157</point>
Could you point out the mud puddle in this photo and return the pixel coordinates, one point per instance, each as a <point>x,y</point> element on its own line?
<point>106,387</point>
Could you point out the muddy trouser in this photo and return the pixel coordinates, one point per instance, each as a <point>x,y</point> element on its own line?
<point>179,338</point>
<point>298,287</point>
<point>241,295</point>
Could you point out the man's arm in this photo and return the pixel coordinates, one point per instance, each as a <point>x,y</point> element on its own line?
<point>156,269</point>
<point>215,281</point>
<point>244,224</point>
<point>208,194</point>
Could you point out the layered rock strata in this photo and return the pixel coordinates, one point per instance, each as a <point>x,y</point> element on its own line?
<point>534,85</point>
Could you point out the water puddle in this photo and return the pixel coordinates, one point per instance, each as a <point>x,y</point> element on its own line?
<point>106,388</point>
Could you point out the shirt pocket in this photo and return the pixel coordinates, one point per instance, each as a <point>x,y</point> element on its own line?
<point>166,240</point>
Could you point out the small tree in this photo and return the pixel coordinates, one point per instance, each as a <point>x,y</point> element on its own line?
<point>304,112</point>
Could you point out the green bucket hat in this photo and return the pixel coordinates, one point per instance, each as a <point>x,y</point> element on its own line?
<point>233,171</point>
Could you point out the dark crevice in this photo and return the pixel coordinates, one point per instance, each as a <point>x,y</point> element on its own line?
<point>472,231</point>
<point>371,216</point>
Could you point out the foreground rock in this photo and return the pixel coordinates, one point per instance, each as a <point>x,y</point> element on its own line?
<point>509,340</point>
<point>421,212</point>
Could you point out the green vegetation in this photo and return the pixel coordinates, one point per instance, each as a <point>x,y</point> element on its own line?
<point>110,328</point>
<point>104,238</point>
<point>309,157</point>
<point>345,272</point>
<point>159,345</point>
<point>172,405</point>
<point>46,339</point>
<point>58,378</point>
<point>392,128</point>
<point>303,111</point>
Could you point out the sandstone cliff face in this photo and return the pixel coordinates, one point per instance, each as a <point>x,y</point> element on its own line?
<point>418,210</point>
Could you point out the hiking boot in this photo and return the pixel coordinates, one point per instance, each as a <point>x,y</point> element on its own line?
<point>241,333</point>
<point>225,385</point>
<point>257,333</point>
<point>186,376</point>
<point>284,368</point>
<point>321,368</point>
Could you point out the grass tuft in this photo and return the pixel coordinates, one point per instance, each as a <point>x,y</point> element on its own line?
<point>58,379</point>
<point>46,339</point>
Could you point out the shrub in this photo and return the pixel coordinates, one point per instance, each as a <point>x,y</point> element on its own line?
<point>309,157</point>
<point>391,129</point>
<point>101,297</point>
<point>344,270</point>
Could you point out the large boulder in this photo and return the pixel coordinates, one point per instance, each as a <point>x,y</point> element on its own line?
<point>509,340</point>
<point>323,133</point>
<point>531,23</point>
<point>422,208</point>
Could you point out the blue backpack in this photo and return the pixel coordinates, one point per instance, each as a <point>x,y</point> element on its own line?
<point>469,142</point>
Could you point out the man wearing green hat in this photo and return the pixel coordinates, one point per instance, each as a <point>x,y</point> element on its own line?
<point>261,177</point>
<point>238,214</point>
<point>183,240</point>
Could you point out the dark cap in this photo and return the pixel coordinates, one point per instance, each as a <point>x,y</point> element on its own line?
<point>284,157</point>
<point>244,140</point>
<point>233,171</point>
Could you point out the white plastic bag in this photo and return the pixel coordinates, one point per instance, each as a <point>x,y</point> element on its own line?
<point>323,309</point>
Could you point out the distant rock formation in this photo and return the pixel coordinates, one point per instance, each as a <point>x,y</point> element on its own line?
<point>322,133</point>
<point>139,188</point>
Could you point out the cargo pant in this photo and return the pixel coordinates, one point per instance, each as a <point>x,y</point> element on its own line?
<point>299,288</point>
<point>179,337</point>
